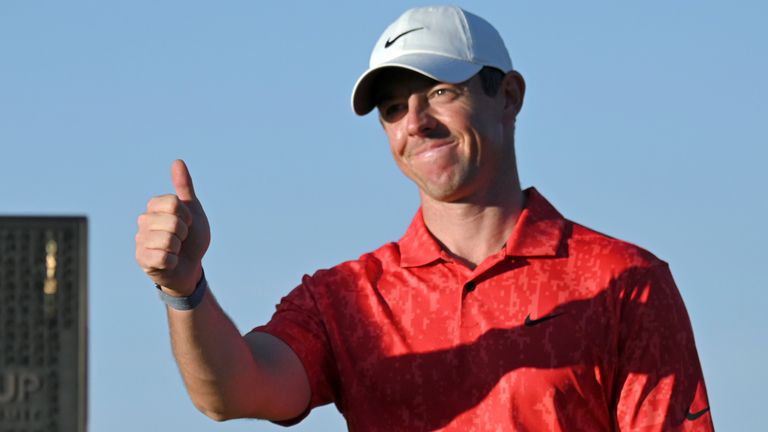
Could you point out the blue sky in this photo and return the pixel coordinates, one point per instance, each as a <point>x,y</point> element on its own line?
<point>643,120</point>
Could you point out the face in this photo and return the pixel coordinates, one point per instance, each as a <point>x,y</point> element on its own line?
<point>452,140</point>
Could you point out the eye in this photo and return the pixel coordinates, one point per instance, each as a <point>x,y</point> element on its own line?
<point>444,93</point>
<point>392,111</point>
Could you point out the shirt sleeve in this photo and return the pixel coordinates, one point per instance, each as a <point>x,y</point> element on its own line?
<point>660,386</point>
<point>298,322</point>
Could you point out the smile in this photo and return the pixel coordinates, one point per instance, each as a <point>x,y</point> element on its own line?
<point>434,149</point>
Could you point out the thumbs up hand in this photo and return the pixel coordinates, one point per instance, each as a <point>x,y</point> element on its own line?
<point>173,236</point>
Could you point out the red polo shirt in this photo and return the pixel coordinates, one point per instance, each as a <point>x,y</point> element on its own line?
<point>565,329</point>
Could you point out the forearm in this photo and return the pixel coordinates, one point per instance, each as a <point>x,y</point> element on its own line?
<point>219,370</point>
<point>231,376</point>
<point>212,358</point>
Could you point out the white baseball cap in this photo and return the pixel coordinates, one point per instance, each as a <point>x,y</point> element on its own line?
<point>445,43</point>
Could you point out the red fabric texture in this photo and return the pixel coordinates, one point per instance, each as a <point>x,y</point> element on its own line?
<point>565,329</point>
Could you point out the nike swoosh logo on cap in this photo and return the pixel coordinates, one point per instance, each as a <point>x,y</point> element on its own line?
<point>693,416</point>
<point>389,42</point>
<point>532,322</point>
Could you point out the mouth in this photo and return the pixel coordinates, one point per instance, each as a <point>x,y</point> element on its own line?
<point>433,149</point>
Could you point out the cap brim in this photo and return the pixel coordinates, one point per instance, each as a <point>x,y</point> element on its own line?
<point>437,67</point>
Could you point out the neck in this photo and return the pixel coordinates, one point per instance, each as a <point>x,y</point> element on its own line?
<point>470,231</point>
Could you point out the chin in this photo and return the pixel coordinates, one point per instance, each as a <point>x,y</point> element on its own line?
<point>449,188</point>
<point>443,193</point>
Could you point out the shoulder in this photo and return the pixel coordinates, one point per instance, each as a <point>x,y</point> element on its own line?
<point>635,284</point>
<point>358,272</point>
<point>589,242</point>
<point>586,246</point>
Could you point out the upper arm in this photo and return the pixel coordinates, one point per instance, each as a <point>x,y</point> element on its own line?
<point>296,345</point>
<point>660,379</point>
<point>282,373</point>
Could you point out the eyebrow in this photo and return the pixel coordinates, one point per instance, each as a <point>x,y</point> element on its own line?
<point>384,96</point>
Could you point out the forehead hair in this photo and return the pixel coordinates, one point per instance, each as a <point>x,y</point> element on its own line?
<point>490,80</point>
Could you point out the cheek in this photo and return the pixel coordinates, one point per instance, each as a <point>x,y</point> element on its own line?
<point>397,146</point>
<point>491,133</point>
<point>396,141</point>
<point>399,159</point>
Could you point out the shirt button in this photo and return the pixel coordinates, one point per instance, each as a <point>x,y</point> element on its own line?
<point>470,286</point>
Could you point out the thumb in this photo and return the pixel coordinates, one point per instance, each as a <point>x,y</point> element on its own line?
<point>182,181</point>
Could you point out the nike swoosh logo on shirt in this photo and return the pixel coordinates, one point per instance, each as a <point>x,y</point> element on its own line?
<point>389,42</point>
<point>533,322</point>
<point>693,416</point>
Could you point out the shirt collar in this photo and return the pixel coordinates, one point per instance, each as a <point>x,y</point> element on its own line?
<point>538,233</point>
<point>539,229</point>
<point>418,247</point>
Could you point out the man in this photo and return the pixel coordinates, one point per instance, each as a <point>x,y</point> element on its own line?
<point>493,312</point>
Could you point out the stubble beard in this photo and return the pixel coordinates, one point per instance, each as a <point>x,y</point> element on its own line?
<point>449,187</point>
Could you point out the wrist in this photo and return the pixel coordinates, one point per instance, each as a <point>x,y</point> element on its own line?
<point>185,303</point>
<point>185,287</point>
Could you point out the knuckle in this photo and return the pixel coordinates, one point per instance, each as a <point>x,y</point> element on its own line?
<point>144,259</point>
<point>175,244</point>
<point>180,228</point>
<point>161,223</point>
<point>158,241</point>
<point>167,241</point>
<point>162,204</point>
<point>161,261</point>
<point>170,260</point>
<point>174,203</point>
<point>154,202</point>
<point>147,258</point>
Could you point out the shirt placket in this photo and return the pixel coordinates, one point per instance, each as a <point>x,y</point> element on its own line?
<point>471,284</point>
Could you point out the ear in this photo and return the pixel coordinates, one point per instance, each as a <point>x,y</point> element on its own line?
<point>513,91</point>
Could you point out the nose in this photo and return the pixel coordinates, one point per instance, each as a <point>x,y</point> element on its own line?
<point>419,120</point>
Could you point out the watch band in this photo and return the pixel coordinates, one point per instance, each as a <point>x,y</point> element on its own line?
<point>185,303</point>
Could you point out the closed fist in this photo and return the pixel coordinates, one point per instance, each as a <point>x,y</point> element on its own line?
<point>173,236</point>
